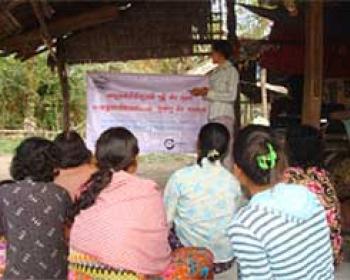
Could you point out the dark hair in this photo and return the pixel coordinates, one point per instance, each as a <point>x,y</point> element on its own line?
<point>213,141</point>
<point>252,143</point>
<point>116,150</point>
<point>37,159</point>
<point>304,146</point>
<point>223,47</point>
<point>73,150</point>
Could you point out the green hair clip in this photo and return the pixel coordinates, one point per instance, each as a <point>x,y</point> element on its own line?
<point>267,161</point>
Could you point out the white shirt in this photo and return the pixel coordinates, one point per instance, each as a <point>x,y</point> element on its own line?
<point>223,84</point>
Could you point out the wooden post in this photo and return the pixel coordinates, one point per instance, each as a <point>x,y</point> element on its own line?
<point>313,76</point>
<point>232,37</point>
<point>263,81</point>
<point>59,61</point>
<point>63,77</point>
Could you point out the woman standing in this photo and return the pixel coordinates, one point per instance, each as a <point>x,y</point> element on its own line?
<point>222,91</point>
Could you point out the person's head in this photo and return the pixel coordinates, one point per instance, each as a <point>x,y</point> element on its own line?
<point>213,141</point>
<point>221,51</point>
<point>36,159</point>
<point>259,161</point>
<point>116,150</point>
<point>74,152</point>
<point>304,146</point>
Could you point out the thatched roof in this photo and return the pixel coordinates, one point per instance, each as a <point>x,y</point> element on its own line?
<point>98,31</point>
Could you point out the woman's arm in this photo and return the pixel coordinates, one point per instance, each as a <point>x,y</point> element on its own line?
<point>171,196</point>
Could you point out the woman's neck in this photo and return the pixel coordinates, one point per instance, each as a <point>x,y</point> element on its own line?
<point>74,169</point>
<point>222,62</point>
<point>255,189</point>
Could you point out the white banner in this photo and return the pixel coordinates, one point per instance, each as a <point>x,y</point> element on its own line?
<point>158,109</point>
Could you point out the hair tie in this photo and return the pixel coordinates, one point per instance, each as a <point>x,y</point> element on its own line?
<point>112,170</point>
<point>267,161</point>
<point>213,154</point>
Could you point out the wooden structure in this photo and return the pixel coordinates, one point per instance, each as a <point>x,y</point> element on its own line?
<point>310,39</point>
<point>74,31</point>
<point>313,74</point>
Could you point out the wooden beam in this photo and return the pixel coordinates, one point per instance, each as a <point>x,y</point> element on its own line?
<point>11,4</point>
<point>232,37</point>
<point>263,82</point>
<point>313,77</point>
<point>65,25</point>
<point>46,36</point>
<point>63,77</point>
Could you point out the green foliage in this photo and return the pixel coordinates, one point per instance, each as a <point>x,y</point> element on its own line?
<point>8,145</point>
<point>30,91</point>
<point>250,25</point>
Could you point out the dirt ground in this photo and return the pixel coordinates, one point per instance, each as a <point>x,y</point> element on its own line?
<point>157,167</point>
<point>4,166</point>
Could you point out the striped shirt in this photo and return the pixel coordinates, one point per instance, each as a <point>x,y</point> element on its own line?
<point>270,242</point>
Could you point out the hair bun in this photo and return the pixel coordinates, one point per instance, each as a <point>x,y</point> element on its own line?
<point>267,161</point>
<point>213,155</point>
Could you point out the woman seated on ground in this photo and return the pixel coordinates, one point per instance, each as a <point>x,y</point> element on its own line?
<point>201,200</point>
<point>282,233</point>
<point>76,163</point>
<point>305,159</point>
<point>121,222</point>
<point>33,214</point>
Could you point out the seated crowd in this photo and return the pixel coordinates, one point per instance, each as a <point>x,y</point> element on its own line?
<point>68,214</point>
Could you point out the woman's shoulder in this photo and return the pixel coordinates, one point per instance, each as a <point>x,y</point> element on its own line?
<point>189,171</point>
<point>134,180</point>
<point>45,191</point>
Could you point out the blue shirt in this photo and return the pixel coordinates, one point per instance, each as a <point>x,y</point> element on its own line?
<point>201,201</point>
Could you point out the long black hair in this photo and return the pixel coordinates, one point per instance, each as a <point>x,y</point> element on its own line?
<point>213,141</point>
<point>36,159</point>
<point>257,152</point>
<point>116,150</point>
<point>74,152</point>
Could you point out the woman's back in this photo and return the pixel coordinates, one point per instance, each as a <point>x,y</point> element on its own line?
<point>318,182</point>
<point>201,201</point>
<point>282,233</point>
<point>278,239</point>
<point>126,227</point>
<point>33,223</point>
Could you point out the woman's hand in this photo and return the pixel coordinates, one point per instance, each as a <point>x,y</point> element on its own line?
<point>199,91</point>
